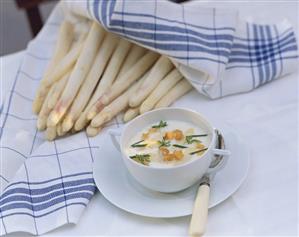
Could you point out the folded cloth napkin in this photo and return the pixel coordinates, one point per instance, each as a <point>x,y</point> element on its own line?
<point>215,50</point>
<point>45,185</point>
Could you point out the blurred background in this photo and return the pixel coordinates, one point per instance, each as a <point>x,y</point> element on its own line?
<point>20,20</point>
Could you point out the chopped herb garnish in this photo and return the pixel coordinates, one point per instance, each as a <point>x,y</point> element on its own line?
<point>137,144</point>
<point>198,151</point>
<point>163,142</point>
<point>162,124</point>
<point>140,145</point>
<point>142,158</point>
<point>199,135</point>
<point>190,139</point>
<point>179,146</point>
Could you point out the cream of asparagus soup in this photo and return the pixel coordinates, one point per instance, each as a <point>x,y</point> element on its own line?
<point>168,143</point>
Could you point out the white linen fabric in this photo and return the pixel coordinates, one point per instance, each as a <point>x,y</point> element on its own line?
<point>45,185</point>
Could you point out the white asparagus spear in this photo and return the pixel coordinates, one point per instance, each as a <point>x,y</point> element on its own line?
<point>82,26</point>
<point>73,131</point>
<point>44,112</point>
<point>123,83</point>
<point>118,58</point>
<point>159,70</point>
<point>116,106</point>
<point>92,132</point>
<point>130,114</point>
<point>163,87</point>
<point>82,120</point>
<point>55,94</point>
<point>136,53</point>
<point>65,65</point>
<point>134,112</point>
<point>63,45</point>
<point>59,130</point>
<point>78,74</point>
<point>94,75</point>
<point>175,93</point>
<point>51,133</point>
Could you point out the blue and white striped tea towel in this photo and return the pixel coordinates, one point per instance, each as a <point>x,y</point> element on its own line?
<point>215,50</point>
<point>45,185</point>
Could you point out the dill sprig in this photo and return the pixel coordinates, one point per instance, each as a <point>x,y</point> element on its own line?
<point>179,146</point>
<point>137,144</point>
<point>142,158</point>
<point>190,139</point>
<point>163,142</point>
<point>162,124</point>
<point>198,151</point>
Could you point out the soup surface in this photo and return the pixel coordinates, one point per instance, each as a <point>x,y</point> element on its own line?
<point>168,143</point>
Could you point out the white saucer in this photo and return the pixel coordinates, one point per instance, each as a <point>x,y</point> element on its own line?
<point>120,188</point>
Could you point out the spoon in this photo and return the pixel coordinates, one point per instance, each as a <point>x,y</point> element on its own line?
<point>200,208</point>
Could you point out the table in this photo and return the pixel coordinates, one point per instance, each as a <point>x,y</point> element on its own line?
<point>265,204</point>
<point>266,119</point>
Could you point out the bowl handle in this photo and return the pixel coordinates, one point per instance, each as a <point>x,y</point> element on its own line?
<point>219,152</point>
<point>115,138</point>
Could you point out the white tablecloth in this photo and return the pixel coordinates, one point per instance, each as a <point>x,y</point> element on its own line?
<point>266,119</point>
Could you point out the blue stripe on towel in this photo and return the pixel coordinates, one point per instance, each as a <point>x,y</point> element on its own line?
<point>19,118</point>
<point>270,54</point>
<point>174,21</point>
<point>250,58</point>
<point>33,212</point>
<point>261,63</point>
<point>259,59</point>
<point>104,4</point>
<point>200,58</point>
<point>39,199</point>
<point>257,54</point>
<point>111,8</point>
<point>246,39</point>
<point>64,152</point>
<point>22,96</point>
<point>96,9</point>
<point>50,180</point>
<point>276,40</point>
<point>30,77</point>
<point>178,47</point>
<point>5,179</point>
<point>61,180</point>
<point>41,191</point>
<point>287,40</point>
<point>264,55</point>
<point>14,150</point>
<point>172,37</point>
<point>40,207</point>
<point>169,29</point>
<point>9,101</point>
<point>279,52</point>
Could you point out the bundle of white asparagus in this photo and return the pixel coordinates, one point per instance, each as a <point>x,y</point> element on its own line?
<point>94,76</point>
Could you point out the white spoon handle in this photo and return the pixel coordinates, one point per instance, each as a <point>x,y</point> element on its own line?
<point>200,211</point>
